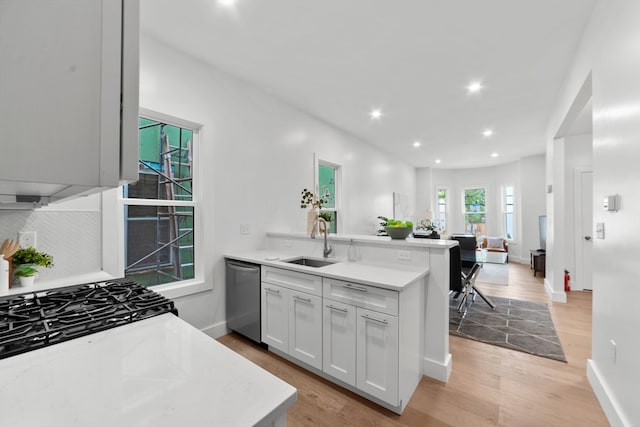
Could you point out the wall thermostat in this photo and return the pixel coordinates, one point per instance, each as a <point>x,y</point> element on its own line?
<point>611,203</point>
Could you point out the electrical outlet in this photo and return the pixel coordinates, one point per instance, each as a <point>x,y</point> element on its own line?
<point>27,238</point>
<point>404,255</point>
<point>244,228</point>
<point>613,350</point>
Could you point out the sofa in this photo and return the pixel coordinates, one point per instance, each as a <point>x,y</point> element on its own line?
<point>495,244</point>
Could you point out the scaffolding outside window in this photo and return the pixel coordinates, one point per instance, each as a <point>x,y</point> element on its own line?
<point>159,208</point>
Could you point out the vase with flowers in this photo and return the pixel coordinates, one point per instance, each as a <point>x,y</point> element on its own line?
<point>311,200</point>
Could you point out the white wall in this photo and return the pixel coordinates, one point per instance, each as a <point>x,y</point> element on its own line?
<point>609,49</point>
<point>257,154</point>
<point>525,175</point>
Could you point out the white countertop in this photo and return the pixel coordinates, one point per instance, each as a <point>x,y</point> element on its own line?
<point>156,372</point>
<point>394,277</point>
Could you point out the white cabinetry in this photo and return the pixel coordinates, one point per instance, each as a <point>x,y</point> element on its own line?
<point>372,339</point>
<point>292,314</point>
<point>339,341</point>
<point>69,97</point>
<point>365,338</point>
<point>377,349</point>
<point>275,316</point>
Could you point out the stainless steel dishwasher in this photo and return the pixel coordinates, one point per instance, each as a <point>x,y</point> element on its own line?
<point>243,298</point>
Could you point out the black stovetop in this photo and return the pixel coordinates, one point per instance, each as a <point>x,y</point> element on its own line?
<point>34,320</point>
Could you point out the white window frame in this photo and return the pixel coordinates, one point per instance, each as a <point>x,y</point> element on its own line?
<point>338,177</point>
<point>503,204</point>
<point>113,256</point>
<point>447,209</point>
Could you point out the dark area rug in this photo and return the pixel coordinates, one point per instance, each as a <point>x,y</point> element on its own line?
<point>518,325</point>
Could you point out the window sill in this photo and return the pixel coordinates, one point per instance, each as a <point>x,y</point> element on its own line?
<point>182,289</point>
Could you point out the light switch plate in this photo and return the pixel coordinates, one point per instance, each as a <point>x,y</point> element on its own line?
<point>600,230</point>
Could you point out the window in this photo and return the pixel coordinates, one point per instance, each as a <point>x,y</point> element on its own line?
<point>327,178</point>
<point>441,209</point>
<point>508,211</point>
<point>474,211</point>
<point>159,209</point>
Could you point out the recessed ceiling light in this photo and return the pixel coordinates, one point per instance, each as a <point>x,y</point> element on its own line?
<point>474,87</point>
<point>438,161</point>
<point>487,132</point>
<point>227,3</point>
<point>494,154</point>
<point>417,144</point>
<point>376,114</point>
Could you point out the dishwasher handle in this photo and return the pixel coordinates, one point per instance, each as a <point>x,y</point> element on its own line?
<point>242,267</point>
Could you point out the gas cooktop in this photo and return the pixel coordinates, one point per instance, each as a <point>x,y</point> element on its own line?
<point>38,319</point>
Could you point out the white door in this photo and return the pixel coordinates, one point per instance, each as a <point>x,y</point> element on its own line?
<point>377,355</point>
<point>275,317</point>
<point>582,278</point>
<point>305,328</point>
<point>339,341</point>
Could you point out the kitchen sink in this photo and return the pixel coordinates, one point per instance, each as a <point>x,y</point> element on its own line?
<point>311,262</point>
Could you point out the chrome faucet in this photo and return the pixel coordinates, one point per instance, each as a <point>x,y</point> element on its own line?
<point>327,248</point>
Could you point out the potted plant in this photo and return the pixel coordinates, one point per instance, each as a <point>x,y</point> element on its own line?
<point>24,262</point>
<point>433,227</point>
<point>327,217</point>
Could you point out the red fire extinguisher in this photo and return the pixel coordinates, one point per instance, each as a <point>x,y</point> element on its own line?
<point>567,279</point>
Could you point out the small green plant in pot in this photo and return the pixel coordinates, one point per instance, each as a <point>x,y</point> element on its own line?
<point>25,261</point>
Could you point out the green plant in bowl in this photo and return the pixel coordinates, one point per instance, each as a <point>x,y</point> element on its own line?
<point>397,229</point>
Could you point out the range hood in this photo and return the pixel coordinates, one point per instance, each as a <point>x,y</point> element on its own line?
<point>69,104</point>
<point>32,195</point>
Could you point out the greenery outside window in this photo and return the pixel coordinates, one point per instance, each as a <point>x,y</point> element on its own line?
<point>160,209</point>
<point>475,211</point>
<point>508,212</point>
<point>327,188</point>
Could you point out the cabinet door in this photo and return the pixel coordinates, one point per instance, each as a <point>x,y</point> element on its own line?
<point>377,355</point>
<point>305,328</point>
<point>339,341</point>
<point>274,316</point>
<point>60,88</point>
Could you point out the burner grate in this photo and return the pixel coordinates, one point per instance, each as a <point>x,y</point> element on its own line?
<point>35,320</point>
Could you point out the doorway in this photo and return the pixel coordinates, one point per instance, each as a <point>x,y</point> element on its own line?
<point>583,278</point>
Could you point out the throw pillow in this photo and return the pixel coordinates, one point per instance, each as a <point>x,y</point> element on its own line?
<point>495,243</point>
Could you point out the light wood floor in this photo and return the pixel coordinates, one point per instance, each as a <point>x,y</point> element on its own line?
<point>489,385</point>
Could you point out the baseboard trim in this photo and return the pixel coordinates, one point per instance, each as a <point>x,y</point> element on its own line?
<point>217,330</point>
<point>605,397</point>
<point>438,370</point>
<point>554,295</point>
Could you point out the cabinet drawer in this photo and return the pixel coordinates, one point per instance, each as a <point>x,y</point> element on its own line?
<point>293,280</point>
<point>377,299</point>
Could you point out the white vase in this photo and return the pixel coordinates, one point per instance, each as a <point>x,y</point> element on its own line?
<point>312,218</point>
<point>27,280</point>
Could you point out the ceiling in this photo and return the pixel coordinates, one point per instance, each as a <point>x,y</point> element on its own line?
<point>413,59</point>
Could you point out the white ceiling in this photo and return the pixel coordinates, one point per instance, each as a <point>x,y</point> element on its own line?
<point>338,59</point>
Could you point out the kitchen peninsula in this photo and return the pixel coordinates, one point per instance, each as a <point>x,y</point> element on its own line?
<point>399,285</point>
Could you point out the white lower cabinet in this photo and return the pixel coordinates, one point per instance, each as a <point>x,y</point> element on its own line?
<point>292,320</point>
<point>377,355</point>
<point>367,338</point>
<point>305,328</point>
<point>275,316</point>
<point>339,341</point>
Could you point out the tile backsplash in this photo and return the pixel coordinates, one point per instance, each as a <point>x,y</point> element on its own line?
<point>73,239</point>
